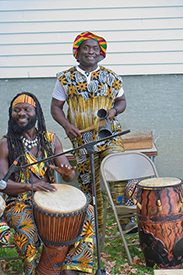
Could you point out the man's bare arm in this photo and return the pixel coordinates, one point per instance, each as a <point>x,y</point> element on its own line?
<point>118,107</point>
<point>59,116</point>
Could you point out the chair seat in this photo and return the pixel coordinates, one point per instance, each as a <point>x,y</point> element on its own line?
<point>126,210</point>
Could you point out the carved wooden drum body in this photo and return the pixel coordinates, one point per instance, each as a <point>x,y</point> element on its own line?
<point>160,221</point>
<point>59,217</point>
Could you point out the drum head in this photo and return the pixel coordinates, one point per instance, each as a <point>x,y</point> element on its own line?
<point>159,182</point>
<point>65,199</point>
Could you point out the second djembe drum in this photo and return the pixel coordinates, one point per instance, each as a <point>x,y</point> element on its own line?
<point>160,221</point>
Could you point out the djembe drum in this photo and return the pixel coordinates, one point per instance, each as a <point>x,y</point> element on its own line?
<point>59,217</point>
<point>160,221</point>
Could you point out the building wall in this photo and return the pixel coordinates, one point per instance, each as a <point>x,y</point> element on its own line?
<point>144,37</point>
<point>154,103</point>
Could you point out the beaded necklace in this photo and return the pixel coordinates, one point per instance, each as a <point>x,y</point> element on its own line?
<point>29,144</point>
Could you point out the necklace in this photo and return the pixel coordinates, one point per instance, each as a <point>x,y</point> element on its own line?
<point>29,144</point>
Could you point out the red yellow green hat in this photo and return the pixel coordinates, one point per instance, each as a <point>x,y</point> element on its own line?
<point>89,35</point>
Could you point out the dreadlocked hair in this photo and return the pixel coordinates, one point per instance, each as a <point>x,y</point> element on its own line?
<point>15,145</point>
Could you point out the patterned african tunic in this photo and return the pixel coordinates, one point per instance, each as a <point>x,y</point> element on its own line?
<point>19,215</point>
<point>84,100</point>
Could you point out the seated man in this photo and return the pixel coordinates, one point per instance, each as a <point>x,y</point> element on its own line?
<point>28,141</point>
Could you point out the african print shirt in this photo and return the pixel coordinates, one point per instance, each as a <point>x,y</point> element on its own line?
<point>84,100</point>
<point>37,169</point>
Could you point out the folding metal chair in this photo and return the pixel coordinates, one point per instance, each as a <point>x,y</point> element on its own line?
<point>124,166</point>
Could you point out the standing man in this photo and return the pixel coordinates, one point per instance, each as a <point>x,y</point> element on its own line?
<point>28,141</point>
<point>88,88</point>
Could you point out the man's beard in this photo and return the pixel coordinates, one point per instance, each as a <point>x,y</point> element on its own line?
<point>17,129</point>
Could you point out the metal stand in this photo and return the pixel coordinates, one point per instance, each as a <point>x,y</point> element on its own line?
<point>90,150</point>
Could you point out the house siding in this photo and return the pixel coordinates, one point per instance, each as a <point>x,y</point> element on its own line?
<point>144,37</point>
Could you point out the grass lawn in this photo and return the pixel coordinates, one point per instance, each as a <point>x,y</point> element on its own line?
<point>113,259</point>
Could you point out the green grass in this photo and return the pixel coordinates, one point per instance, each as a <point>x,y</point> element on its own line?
<point>114,258</point>
<point>10,262</point>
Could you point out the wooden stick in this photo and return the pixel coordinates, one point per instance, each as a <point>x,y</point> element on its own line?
<point>101,123</point>
<point>87,129</point>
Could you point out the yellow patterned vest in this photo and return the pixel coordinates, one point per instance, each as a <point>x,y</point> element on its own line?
<point>84,100</point>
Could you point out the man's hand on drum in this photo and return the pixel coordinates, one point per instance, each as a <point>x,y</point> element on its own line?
<point>65,170</point>
<point>43,186</point>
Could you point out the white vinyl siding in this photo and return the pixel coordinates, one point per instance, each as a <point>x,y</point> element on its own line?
<point>144,36</point>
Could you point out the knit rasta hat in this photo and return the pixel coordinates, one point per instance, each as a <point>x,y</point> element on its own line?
<point>89,35</point>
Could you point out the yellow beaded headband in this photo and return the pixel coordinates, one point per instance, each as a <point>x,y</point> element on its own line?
<point>23,98</point>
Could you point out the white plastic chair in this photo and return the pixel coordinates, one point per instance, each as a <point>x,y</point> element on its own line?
<point>124,166</point>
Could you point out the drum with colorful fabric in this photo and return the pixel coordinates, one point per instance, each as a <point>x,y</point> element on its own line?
<point>160,221</point>
<point>59,217</point>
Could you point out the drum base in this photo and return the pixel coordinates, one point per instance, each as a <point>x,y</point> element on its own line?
<point>51,260</point>
<point>155,251</point>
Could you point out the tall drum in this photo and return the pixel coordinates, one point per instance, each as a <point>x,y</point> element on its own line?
<point>160,221</point>
<point>59,217</point>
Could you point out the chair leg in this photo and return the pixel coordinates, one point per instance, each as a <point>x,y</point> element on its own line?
<point>104,226</point>
<point>122,235</point>
<point>119,225</point>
